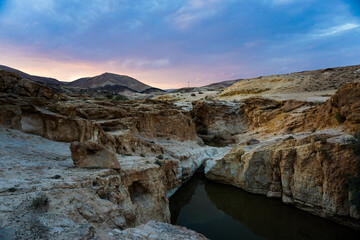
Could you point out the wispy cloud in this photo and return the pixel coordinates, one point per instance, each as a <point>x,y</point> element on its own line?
<point>146,63</point>
<point>196,10</point>
<point>170,42</point>
<point>335,30</point>
<point>277,2</point>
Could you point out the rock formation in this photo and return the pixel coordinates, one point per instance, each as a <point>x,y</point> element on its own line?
<point>93,155</point>
<point>44,197</point>
<point>77,166</point>
<point>219,121</point>
<point>127,154</point>
<point>297,151</point>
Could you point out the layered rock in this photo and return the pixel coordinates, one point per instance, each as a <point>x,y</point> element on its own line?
<point>126,171</point>
<point>271,116</point>
<point>309,172</point>
<point>293,150</point>
<point>93,155</point>
<point>149,119</point>
<point>219,121</point>
<point>123,128</point>
<point>343,108</point>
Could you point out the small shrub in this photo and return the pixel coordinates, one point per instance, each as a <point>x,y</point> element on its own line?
<point>40,202</point>
<point>104,194</point>
<point>320,138</point>
<point>142,155</point>
<point>121,98</point>
<point>12,190</point>
<point>339,117</point>
<point>160,156</point>
<point>193,94</point>
<point>106,129</point>
<point>201,92</point>
<point>158,162</point>
<point>109,96</point>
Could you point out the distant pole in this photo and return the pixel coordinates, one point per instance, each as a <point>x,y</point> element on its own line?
<point>188,84</point>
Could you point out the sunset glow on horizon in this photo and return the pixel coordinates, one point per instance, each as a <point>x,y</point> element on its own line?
<point>167,44</point>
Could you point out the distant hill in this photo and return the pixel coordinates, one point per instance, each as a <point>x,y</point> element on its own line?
<point>31,77</point>
<point>223,84</point>
<point>153,90</point>
<point>306,81</point>
<point>105,82</point>
<point>115,89</point>
<point>109,79</point>
<point>210,87</point>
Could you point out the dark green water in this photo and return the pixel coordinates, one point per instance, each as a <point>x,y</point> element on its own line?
<point>223,212</point>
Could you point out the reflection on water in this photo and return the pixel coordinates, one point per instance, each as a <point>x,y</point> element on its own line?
<point>223,212</point>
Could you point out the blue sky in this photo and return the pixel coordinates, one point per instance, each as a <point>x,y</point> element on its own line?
<point>167,43</point>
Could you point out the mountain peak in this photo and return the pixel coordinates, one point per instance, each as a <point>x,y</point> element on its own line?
<point>110,79</point>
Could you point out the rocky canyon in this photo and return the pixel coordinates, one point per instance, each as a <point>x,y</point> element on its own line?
<point>77,164</point>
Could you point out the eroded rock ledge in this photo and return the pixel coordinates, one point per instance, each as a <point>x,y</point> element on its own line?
<point>130,156</point>
<point>44,196</point>
<point>296,151</point>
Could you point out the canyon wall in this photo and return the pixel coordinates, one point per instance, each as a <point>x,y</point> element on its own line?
<point>297,151</point>
<point>123,172</point>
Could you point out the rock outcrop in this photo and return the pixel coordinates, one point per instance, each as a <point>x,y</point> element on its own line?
<point>132,155</point>
<point>124,128</point>
<point>279,117</point>
<point>92,155</point>
<point>128,154</point>
<point>219,121</point>
<point>309,172</point>
<point>158,231</point>
<point>42,196</point>
<point>293,150</point>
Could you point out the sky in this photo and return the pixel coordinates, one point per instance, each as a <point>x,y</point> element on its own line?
<point>168,43</point>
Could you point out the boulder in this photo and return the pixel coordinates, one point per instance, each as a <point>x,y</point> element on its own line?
<point>219,120</point>
<point>92,155</point>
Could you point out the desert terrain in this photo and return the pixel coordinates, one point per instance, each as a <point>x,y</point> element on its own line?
<point>78,163</point>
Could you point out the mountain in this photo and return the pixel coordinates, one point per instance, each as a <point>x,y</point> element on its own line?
<point>109,79</point>
<point>31,77</point>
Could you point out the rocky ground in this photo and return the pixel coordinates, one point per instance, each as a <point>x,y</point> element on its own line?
<point>78,167</point>
<point>75,166</point>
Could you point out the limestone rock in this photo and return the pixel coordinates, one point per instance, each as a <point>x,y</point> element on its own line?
<point>12,83</point>
<point>219,119</point>
<point>82,202</point>
<point>279,117</point>
<point>154,230</point>
<point>92,155</point>
<point>308,172</point>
